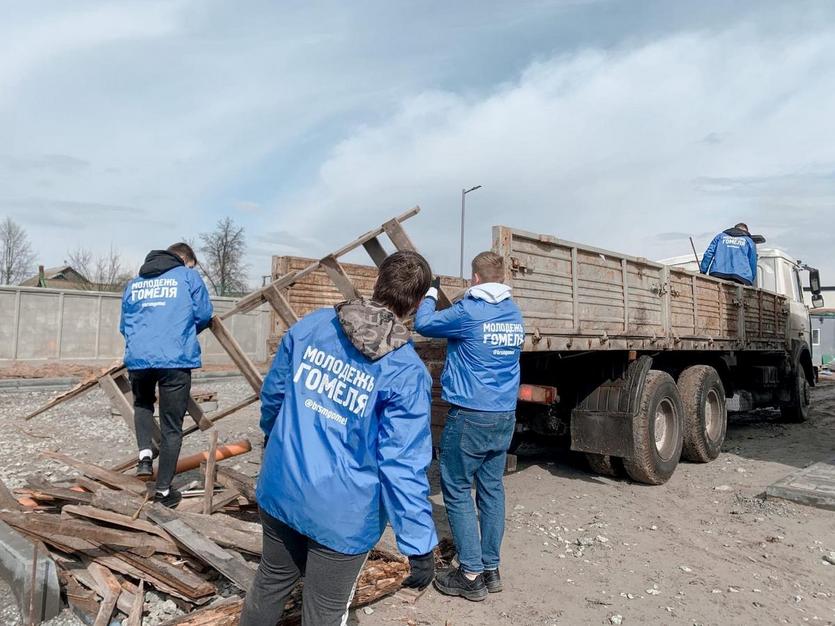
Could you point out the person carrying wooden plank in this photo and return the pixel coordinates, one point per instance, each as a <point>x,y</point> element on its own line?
<point>484,332</point>
<point>163,310</point>
<point>345,413</point>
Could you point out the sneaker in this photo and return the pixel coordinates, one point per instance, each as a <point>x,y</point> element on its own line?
<point>171,500</point>
<point>492,580</point>
<point>454,583</point>
<point>145,468</point>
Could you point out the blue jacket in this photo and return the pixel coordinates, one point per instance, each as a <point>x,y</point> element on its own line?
<point>732,253</point>
<point>484,333</point>
<point>348,435</point>
<point>163,309</point>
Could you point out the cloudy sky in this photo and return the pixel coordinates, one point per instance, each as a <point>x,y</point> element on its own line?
<point>624,124</point>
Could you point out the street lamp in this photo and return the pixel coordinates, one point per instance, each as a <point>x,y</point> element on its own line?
<point>464,193</point>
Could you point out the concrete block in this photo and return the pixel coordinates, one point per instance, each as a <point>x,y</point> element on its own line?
<point>16,560</point>
<point>813,486</point>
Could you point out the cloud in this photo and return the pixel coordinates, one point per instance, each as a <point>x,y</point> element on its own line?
<point>607,147</point>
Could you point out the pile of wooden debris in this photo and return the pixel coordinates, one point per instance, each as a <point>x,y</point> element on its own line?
<point>111,544</point>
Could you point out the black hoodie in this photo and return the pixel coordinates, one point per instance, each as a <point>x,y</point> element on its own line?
<point>737,232</point>
<point>158,262</point>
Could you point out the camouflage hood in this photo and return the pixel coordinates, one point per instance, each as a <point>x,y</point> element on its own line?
<point>372,328</point>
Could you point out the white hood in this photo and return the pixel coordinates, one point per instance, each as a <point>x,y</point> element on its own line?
<point>490,292</point>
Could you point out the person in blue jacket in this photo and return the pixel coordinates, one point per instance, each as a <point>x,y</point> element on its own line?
<point>163,310</point>
<point>732,255</point>
<point>485,333</point>
<point>345,410</point>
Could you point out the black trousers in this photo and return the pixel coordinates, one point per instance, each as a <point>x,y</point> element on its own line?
<point>174,391</point>
<point>330,578</point>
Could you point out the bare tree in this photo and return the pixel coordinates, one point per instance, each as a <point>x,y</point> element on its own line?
<point>222,258</point>
<point>104,272</point>
<point>16,256</point>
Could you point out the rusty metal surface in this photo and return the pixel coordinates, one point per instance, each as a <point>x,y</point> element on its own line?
<point>579,298</point>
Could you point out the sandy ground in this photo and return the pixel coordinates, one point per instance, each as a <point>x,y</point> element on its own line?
<point>706,548</point>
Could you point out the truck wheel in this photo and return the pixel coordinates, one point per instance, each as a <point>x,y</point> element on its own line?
<point>798,410</point>
<point>657,431</point>
<point>705,414</point>
<point>604,464</point>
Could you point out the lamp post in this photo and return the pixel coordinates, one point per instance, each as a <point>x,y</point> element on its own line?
<point>464,193</point>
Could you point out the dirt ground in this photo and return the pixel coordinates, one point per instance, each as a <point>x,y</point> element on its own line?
<point>706,548</point>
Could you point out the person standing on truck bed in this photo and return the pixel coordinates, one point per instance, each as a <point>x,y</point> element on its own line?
<point>163,310</point>
<point>485,334</point>
<point>345,414</point>
<point>732,255</point>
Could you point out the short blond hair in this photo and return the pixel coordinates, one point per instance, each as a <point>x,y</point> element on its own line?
<point>489,266</point>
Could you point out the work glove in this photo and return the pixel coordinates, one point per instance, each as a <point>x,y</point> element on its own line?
<point>422,568</point>
<point>434,286</point>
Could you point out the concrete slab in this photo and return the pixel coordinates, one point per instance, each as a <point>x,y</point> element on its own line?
<point>16,556</point>
<point>814,486</point>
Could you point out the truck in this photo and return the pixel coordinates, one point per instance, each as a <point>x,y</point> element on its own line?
<point>635,362</point>
<point>639,362</point>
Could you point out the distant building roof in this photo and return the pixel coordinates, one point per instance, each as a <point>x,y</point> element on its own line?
<point>63,276</point>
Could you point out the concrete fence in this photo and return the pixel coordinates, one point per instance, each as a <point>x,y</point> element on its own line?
<point>42,325</point>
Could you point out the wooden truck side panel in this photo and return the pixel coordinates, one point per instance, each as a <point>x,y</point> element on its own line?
<point>579,298</point>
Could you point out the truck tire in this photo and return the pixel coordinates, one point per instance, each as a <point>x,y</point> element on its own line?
<point>657,431</point>
<point>604,464</point>
<point>798,410</point>
<point>705,413</point>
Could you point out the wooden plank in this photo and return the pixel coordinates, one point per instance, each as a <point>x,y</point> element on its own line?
<point>135,614</point>
<point>236,353</point>
<point>83,387</point>
<point>229,478</point>
<point>394,230</point>
<point>281,306</point>
<point>82,602</point>
<point>339,278</point>
<point>376,251</point>
<point>116,519</point>
<point>197,414</point>
<point>224,498</point>
<point>227,563</point>
<point>226,531</point>
<point>112,589</point>
<point>254,300</point>
<point>50,525</point>
<point>209,483</point>
<point>118,400</point>
<point>42,488</point>
<point>114,479</point>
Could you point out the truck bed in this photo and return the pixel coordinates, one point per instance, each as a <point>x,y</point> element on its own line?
<point>578,298</point>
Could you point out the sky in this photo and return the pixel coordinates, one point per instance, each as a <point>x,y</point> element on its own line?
<point>623,124</point>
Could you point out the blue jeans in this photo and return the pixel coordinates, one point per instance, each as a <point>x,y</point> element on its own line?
<point>473,449</point>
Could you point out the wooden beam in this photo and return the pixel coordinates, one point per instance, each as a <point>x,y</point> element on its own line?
<point>83,387</point>
<point>209,483</point>
<point>394,229</point>
<point>197,414</point>
<point>242,483</point>
<point>254,300</point>
<point>114,479</point>
<point>135,614</point>
<point>118,400</point>
<point>111,588</point>
<point>339,278</point>
<point>281,306</point>
<point>123,383</point>
<point>230,564</point>
<point>236,353</point>
<point>116,519</point>
<point>376,251</point>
